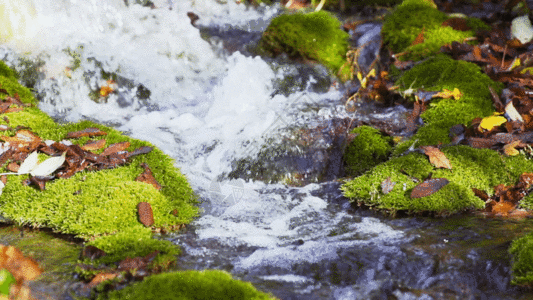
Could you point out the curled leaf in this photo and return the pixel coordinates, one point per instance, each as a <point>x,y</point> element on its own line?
<point>48,166</point>
<point>29,163</point>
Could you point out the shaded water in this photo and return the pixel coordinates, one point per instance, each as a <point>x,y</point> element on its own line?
<point>204,99</point>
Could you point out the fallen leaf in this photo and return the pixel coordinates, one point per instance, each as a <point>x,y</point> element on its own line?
<point>436,157</point>
<point>455,94</point>
<point>90,132</point>
<point>503,207</point>
<point>510,150</point>
<point>29,163</point>
<point>488,123</point>
<point>148,177</point>
<point>387,185</point>
<point>48,166</point>
<point>512,113</point>
<point>93,252</point>
<point>428,187</point>
<point>94,145</point>
<point>146,216</point>
<point>522,29</point>
<point>114,148</point>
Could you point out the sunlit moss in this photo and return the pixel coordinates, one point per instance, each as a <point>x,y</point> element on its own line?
<point>188,285</point>
<point>522,252</point>
<point>471,168</point>
<point>99,203</point>
<point>315,35</point>
<point>412,17</point>
<point>442,72</point>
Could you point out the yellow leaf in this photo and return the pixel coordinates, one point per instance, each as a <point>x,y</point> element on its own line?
<point>488,123</point>
<point>371,73</point>
<point>455,94</point>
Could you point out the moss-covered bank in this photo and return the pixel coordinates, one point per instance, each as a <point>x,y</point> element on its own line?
<point>188,285</point>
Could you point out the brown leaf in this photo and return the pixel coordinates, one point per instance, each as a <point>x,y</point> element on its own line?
<point>503,207</point>
<point>456,23</point>
<point>115,148</point>
<point>146,216</point>
<point>428,187</point>
<point>90,132</point>
<point>387,185</point>
<point>93,252</point>
<point>22,268</point>
<point>419,38</point>
<point>94,145</point>
<point>99,278</point>
<point>436,157</point>
<point>148,177</point>
<point>480,194</point>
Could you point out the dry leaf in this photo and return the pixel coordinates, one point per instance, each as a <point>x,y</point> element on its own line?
<point>94,145</point>
<point>29,163</point>
<point>455,94</point>
<point>146,216</point>
<point>90,132</point>
<point>48,166</point>
<point>512,113</point>
<point>436,157</point>
<point>387,185</point>
<point>114,148</point>
<point>510,150</point>
<point>428,187</point>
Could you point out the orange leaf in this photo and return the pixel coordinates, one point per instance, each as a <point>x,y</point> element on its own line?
<point>419,38</point>
<point>436,157</point>
<point>503,207</point>
<point>94,145</point>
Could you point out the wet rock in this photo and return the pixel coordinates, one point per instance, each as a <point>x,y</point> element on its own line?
<point>302,156</point>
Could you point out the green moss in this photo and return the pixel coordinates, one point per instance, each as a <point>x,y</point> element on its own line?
<point>441,72</point>
<point>315,36</point>
<point>522,252</point>
<point>412,17</point>
<point>91,204</point>
<point>471,168</point>
<point>7,72</point>
<point>132,242</point>
<point>188,285</point>
<point>56,256</point>
<point>369,148</point>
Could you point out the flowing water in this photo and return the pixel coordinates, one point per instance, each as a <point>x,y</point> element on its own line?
<point>204,99</point>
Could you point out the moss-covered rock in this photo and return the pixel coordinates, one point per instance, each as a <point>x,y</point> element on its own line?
<point>188,285</point>
<point>522,268</point>
<point>442,72</point>
<point>471,168</point>
<point>96,204</point>
<point>369,148</point>
<point>317,36</point>
<point>411,18</point>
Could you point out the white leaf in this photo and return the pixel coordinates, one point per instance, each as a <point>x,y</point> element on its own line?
<point>2,185</point>
<point>512,113</point>
<point>521,29</point>
<point>29,163</point>
<point>48,166</point>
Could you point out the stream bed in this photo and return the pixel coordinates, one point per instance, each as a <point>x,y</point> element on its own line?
<point>200,95</point>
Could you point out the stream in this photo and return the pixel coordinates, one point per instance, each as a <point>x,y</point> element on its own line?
<point>202,96</point>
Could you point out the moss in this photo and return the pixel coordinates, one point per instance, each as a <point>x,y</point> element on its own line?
<point>369,148</point>
<point>132,242</point>
<point>7,72</point>
<point>471,168</point>
<point>412,17</point>
<point>91,204</point>
<point>55,255</point>
<point>441,72</point>
<point>187,285</point>
<point>315,36</point>
<point>522,267</point>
